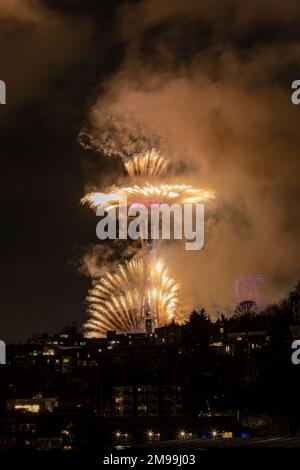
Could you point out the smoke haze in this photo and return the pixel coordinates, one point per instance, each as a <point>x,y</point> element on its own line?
<point>217,95</point>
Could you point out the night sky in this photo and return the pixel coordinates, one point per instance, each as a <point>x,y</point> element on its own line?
<point>43,226</point>
<point>58,59</point>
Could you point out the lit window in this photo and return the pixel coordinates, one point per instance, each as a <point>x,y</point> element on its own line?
<point>29,408</point>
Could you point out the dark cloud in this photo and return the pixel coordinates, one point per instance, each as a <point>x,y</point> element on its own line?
<point>51,62</point>
<point>38,45</point>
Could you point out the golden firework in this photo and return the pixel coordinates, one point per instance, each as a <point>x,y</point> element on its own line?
<point>117,301</point>
<point>150,194</point>
<point>142,288</point>
<point>149,164</point>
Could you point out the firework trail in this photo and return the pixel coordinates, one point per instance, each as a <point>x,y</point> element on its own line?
<point>116,302</point>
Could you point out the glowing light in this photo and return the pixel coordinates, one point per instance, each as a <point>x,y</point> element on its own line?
<point>28,408</point>
<point>246,288</point>
<point>185,435</point>
<point>149,164</point>
<point>119,300</point>
<point>149,194</point>
<point>227,435</point>
<point>153,435</point>
<point>116,301</point>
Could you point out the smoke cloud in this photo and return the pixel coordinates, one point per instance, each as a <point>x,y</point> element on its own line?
<point>37,46</point>
<point>210,84</point>
<point>97,260</point>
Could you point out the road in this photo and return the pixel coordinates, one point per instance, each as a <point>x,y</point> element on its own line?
<point>271,442</point>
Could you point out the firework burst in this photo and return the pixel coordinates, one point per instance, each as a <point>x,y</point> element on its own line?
<point>150,194</point>
<point>149,164</point>
<point>117,300</point>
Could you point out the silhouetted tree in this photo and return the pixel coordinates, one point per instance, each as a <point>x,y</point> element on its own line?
<point>198,330</point>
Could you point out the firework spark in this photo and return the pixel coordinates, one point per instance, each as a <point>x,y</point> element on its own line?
<point>150,194</point>
<point>149,164</point>
<point>117,301</point>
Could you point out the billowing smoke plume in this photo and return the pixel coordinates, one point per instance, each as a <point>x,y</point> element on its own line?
<point>38,45</point>
<point>211,84</point>
<point>97,260</point>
